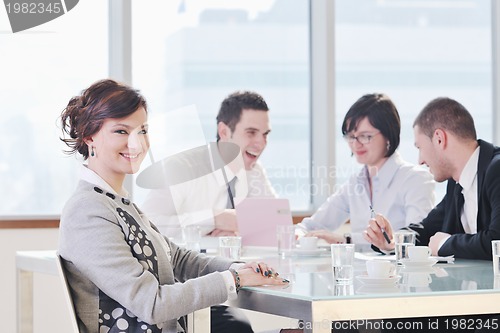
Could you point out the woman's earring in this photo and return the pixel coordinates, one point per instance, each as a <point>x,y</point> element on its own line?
<point>388,145</point>
<point>92,153</point>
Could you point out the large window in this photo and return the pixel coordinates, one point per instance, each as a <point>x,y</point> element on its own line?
<point>196,52</point>
<point>188,55</point>
<point>40,70</point>
<point>413,51</point>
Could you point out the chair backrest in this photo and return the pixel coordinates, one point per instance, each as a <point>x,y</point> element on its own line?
<point>67,295</point>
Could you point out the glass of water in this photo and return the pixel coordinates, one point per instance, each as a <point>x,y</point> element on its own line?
<point>192,237</point>
<point>286,239</point>
<point>495,251</point>
<point>402,240</point>
<point>230,247</point>
<point>342,263</point>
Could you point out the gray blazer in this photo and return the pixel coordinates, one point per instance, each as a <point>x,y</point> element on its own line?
<point>125,276</point>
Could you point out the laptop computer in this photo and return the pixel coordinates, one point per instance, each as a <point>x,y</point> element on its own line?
<point>258,217</point>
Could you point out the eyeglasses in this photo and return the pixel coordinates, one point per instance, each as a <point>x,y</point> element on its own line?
<point>363,138</point>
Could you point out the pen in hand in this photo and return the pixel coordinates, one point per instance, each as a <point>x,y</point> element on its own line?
<point>383,230</point>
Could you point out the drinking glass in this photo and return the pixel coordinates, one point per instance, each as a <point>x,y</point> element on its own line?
<point>230,247</point>
<point>402,240</point>
<point>286,239</point>
<point>192,237</point>
<point>342,263</point>
<point>495,251</point>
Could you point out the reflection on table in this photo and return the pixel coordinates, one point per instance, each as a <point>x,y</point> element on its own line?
<point>463,287</point>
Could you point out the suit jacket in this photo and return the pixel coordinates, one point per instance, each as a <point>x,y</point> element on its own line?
<point>444,216</point>
<point>123,273</point>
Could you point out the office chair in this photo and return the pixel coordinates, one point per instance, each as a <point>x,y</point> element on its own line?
<point>67,295</point>
<point>203,315</point>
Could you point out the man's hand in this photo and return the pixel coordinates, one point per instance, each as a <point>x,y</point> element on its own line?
<point>219,233</point>
<point>225,221</point>
<point>435,240</point>
<point>328,236</point>
<point>374,234</point>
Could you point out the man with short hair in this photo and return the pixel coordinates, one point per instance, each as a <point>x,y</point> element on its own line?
<point>243,123</point>
<point>243,119</point>
<point>465,222</point>
<point>468,218</point>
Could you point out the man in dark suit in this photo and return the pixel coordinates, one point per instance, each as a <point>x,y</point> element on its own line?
<point>468,218</point>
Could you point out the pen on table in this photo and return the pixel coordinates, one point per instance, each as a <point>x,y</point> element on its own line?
<point>383,230</point>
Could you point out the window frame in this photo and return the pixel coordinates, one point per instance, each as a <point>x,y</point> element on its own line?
<point>322,108</point>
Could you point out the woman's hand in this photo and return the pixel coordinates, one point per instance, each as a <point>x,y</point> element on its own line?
<point>258,274</point>
<point>374,233</point>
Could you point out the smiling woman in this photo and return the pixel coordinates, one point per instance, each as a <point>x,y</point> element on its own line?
<point>122,144</point>
<point>107,125</point>
<point>386,184</point>
<point>103,234</point>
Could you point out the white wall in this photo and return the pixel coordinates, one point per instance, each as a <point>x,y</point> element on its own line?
<point>50,311</point>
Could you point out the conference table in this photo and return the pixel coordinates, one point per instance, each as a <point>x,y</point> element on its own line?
<point>458,288</point>
<point>313,297</point>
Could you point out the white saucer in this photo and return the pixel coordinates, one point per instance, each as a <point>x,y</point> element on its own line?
<point>315,252</point>
<point>418,269</point>
<point>378,281</point>
<point>420,263</point>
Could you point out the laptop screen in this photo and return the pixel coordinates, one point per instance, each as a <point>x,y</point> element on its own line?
<point>258,218</point>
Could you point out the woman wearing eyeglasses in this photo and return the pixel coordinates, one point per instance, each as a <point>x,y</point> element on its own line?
<point>386,184</point>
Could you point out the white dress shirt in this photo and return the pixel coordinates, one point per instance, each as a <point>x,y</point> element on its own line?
<point>93,178</point>
<point>402,192</point>
<point>197,201</point>
<point>468,181</point>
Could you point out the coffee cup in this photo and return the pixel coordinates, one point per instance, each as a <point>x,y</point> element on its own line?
<point>380,269</point>
<point>419,253</point>
<point>308,243</point>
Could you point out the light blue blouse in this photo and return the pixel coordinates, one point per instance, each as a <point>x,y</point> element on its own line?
<point>402,192</point>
